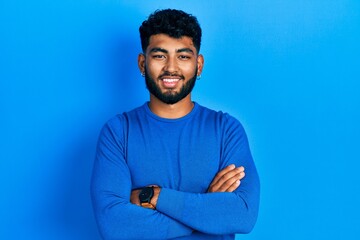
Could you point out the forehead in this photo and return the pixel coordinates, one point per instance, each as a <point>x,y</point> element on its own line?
<point>169,43</point>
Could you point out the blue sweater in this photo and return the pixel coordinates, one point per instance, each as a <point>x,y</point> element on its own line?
<point>182,156</point>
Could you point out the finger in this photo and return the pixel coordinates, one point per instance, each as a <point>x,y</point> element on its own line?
<point>221,173</point>
<point>242,175</point>
<point>234,186</point>
<point>227,184</point>
<point>228,176</point>
<point>237,183</point>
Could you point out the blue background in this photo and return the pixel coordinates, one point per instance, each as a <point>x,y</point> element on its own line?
<point>288,70</point>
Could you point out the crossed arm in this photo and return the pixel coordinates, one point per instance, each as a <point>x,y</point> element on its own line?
<point>226,180</point>
<point>177,213</point>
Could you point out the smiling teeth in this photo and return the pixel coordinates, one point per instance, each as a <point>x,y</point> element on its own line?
<point>170,80</point>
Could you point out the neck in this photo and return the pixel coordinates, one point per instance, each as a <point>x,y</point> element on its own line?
<point>171,111</point>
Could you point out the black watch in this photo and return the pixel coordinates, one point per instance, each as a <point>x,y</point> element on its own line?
<point>145,197</point>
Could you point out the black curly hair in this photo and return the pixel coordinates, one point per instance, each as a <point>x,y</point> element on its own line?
<point>172,22</point>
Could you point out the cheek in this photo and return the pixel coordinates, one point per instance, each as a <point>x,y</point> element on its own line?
<point>153,69</point>
<point>190,70</point>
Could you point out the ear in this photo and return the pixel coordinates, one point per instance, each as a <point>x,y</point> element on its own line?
<point>200,64</point>
<point>141,62</point>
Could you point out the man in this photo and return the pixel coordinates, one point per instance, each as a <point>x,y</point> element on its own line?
<point>172,168</point>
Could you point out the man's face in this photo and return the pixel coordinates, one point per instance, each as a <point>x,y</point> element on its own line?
<point>171,66</point>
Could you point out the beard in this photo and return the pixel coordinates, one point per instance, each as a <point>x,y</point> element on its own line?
<point>169,97</point>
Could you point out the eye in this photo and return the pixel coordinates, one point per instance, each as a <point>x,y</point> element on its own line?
<point>184,57</point>
<point>158,56</point>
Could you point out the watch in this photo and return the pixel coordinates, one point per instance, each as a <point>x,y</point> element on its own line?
<point>145,197</point>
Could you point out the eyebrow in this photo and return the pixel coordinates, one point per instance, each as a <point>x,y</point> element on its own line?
<point>157,49</point>
<point>188,50</point>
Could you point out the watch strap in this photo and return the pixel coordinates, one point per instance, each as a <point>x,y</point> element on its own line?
<point>147,205</point>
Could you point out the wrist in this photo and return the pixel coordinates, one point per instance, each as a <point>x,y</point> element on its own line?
<point>148,196</point>
<point>155,197</point>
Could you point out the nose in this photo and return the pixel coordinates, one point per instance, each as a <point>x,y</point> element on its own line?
<point>171,65</point>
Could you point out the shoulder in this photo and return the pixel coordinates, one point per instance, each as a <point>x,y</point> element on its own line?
<point>120,120</point>
<point>223,119</point>
<point>117,126</point>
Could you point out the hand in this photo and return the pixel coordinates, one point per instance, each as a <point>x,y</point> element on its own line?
<point>134,197</point>
<point>227,180</point>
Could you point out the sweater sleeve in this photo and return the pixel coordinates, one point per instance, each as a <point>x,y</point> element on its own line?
<point>220,213</point>
<point>116,216</point>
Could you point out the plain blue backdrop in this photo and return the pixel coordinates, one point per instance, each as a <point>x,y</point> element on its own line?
<point>288,70</point>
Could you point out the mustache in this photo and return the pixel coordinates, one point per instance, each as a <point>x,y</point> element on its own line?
<point>169,74</point>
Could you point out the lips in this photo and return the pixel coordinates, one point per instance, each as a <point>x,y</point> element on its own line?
<point>170,82</point>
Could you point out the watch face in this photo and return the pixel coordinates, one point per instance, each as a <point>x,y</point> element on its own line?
<point>146,194</point>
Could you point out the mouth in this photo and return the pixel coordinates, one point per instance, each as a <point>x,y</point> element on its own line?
<point>170,82</point>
